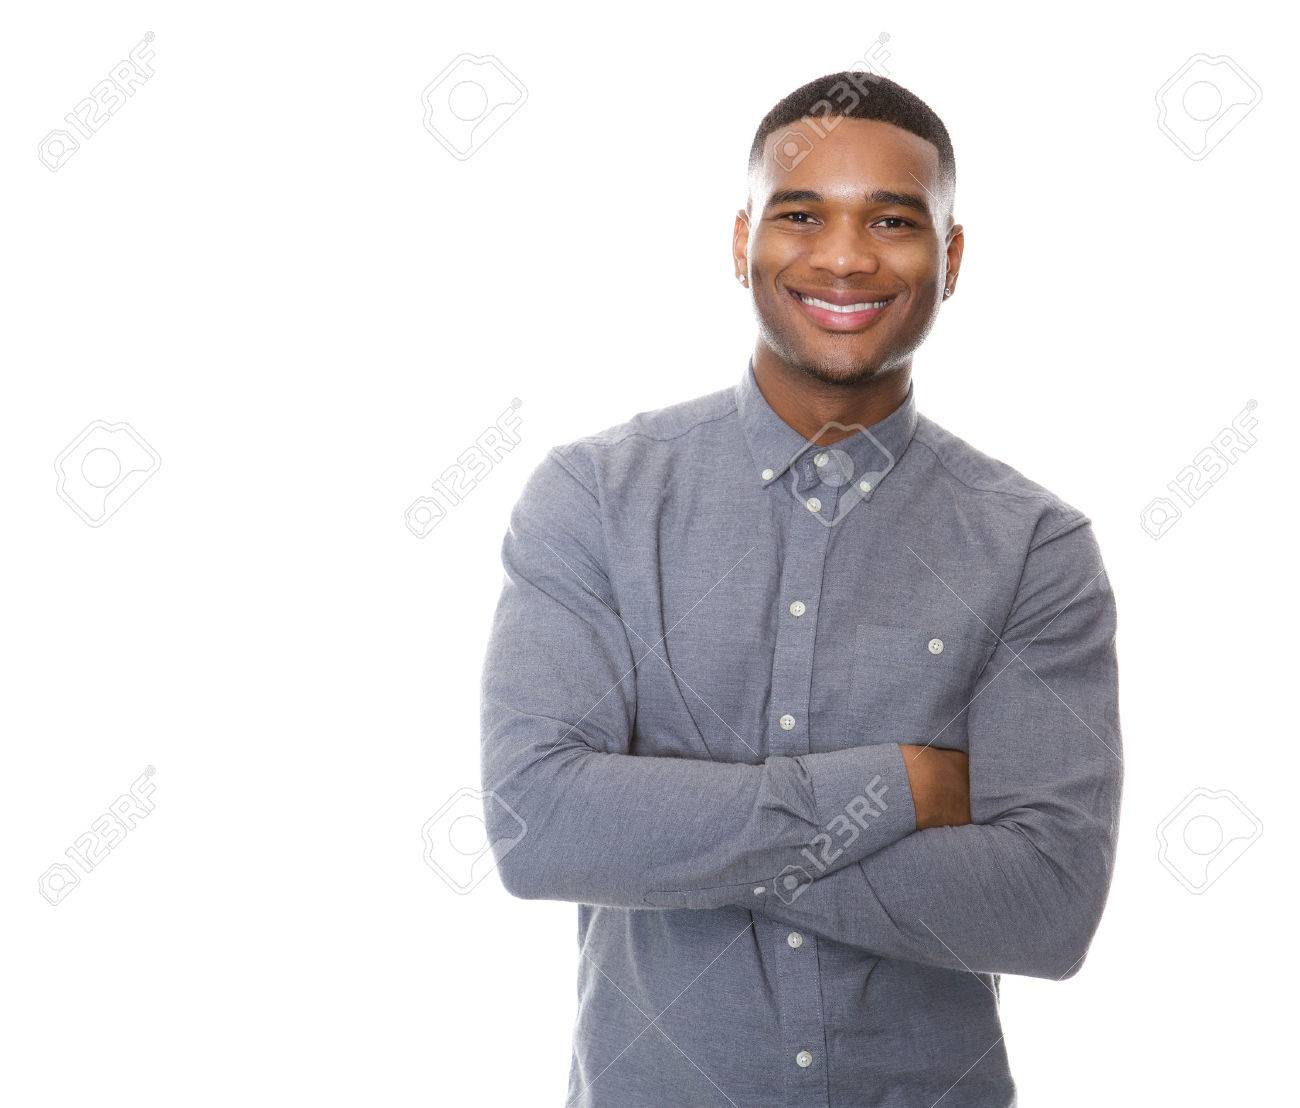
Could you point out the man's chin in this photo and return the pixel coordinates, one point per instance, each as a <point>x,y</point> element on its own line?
<point>837,373</point>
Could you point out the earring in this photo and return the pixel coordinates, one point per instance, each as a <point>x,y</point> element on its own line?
<point>947,292</point>
<point>740,277</point>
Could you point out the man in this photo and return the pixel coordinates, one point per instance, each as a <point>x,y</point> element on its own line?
<point>745,649</point>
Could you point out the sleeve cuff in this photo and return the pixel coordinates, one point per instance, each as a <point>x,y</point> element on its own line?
<point>868,785</point>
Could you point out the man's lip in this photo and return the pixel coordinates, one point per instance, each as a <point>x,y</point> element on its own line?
<point>846,296</point>
<point>842,322</point>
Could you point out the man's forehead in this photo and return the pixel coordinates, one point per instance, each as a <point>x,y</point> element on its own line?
<point>841,138</point>
<point>846,160</point>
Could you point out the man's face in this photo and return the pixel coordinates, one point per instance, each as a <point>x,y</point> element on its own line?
<point>862,218</point>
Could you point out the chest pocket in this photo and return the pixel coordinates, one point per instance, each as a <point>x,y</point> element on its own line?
<point>913,684</point>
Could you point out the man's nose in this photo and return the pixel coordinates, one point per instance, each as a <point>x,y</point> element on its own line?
<point>845,246</point>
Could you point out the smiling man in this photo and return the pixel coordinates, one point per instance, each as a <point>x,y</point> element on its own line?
<point>808,705</point>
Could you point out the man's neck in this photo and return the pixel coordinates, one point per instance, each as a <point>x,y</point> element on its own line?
<point>808,405</point>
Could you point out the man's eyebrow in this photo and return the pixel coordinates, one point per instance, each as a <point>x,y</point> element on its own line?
<point>878,196</point>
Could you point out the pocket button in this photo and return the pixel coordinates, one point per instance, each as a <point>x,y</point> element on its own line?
<point>936,646</point>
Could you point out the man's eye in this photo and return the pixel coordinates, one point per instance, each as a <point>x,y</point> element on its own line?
<point>896,219</point>
<point>794,215</point>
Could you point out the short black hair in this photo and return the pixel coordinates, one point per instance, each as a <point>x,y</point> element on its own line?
<point>859,94</point>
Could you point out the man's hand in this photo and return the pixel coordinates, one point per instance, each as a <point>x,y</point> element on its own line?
<point>940,784</point>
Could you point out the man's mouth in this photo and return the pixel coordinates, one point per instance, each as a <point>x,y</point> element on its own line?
<point>836,316</point>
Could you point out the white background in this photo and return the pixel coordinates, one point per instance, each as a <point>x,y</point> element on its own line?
<point>268,267</point>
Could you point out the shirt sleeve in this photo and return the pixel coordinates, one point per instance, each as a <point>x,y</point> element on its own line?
<point>1021,889</point>
<point>571,814</point>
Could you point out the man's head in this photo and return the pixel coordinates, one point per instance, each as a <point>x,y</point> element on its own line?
<point>851,186</point>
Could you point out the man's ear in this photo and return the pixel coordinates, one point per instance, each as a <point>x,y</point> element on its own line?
<point>740,242</point>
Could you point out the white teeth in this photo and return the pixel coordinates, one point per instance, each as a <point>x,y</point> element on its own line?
<point>842,308</point>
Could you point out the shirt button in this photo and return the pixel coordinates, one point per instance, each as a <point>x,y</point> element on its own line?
<point>787,722</point>
<point>936,646</point>
<point>768,474</point>
<point>814,505</point>
<point>759,890</point>
<point>820,460</point>
<point>794,939</point>
<point>803,1059</point>
<point>797,608</point>
<point>865,486</point>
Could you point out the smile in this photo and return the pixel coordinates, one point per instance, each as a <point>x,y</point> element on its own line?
<point>840,317</point>
<point>846,308</point>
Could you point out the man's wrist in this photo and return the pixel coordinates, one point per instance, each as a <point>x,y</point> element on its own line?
<point>940,784</point>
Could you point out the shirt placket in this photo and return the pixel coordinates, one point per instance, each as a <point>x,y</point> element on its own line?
<point>794,954</point>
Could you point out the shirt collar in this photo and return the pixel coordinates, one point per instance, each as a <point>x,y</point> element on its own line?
<point>776,446</point>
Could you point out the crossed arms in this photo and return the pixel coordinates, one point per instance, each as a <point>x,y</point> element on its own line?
<point>1005,871</point>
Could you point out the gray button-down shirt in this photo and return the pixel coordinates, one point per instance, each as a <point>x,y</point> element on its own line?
<point>713,635</point>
